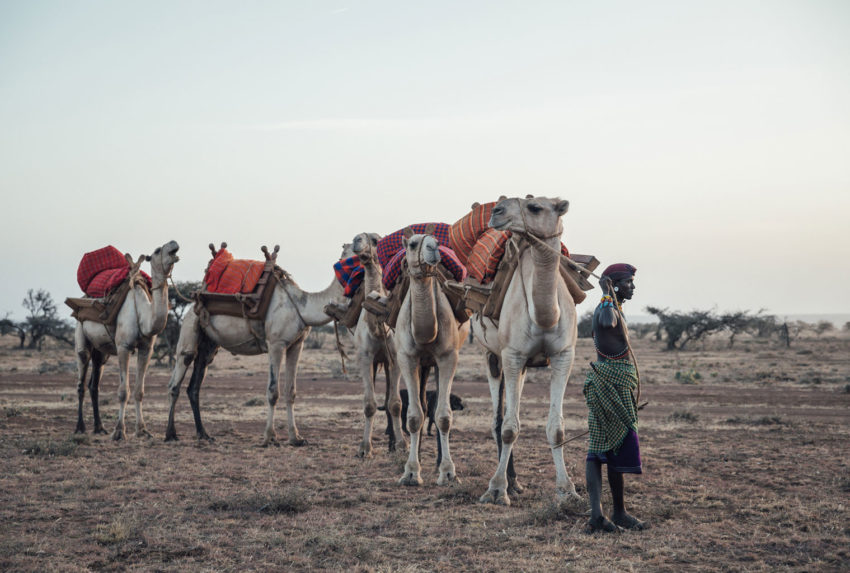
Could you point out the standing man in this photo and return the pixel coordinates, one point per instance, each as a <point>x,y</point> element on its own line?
<point>610,392</point>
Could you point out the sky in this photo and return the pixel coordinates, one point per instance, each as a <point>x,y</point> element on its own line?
<point>706,143</point>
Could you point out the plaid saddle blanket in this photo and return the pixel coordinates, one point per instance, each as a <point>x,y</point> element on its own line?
<point>349,272</point>
<point>478,246</point>
<point>448,258</point>
<point>390,245</point>
<point>100,271</point>
<point>227,275</point>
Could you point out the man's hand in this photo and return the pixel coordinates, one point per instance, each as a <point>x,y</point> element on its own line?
<point>606,285</point>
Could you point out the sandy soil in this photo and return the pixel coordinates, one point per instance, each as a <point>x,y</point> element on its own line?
<point>745,468</point>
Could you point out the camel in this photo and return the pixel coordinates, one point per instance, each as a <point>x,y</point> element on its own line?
<point>373,341</point>
<point>141,318</point>
<point>427,331</point>
<point>538,317</point>
<point>291,313</point>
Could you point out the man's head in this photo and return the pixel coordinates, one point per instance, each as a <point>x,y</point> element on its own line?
<point>622,277</point>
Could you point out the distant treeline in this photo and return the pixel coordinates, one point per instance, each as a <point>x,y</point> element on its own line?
<point>678,329</point>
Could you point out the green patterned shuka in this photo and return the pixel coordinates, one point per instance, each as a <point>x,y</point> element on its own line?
<point>609,392</point>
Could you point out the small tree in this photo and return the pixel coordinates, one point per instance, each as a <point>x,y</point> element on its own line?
<point>9,326</point>
<point>43,320</point>
<point>682,328</point>
<point>822,327</point>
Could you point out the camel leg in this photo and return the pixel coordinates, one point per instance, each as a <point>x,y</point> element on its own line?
<point>187,349</point>
<point>206,352</point>
<point>143,358</point>
<point>446,366</point>
<point>410,372</point>
<point>98,359</point>
<point>370,405</point>
<point>272,393</point>
<point>561,365</point>
<point>293,354</point>
<point>394,402</point>
<point>123,390</point>
<point>82,354</point>
<point>497,396</point>
<point>512,365</point>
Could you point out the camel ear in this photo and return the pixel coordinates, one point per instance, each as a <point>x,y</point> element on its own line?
<point>404,241</point>
<point>476,205</point>
<point>375,237</point>
<point>502,198</point>
<point>128,258</point>
<point>408,232</point>
<point>562,207</point>
<point>529,196</point>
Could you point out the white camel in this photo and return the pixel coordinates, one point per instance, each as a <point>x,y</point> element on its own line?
<point>141,318</point>
<point>427,330</point>
<point>291,313</point>
<point>538,317</point>
<point>374,344</point>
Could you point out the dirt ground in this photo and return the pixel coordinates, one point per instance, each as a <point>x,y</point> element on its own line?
<point>745,468</point>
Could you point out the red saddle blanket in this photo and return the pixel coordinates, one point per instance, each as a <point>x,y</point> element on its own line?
<point>102,270</point>
<point>230,276</point>
<point>478,246</point>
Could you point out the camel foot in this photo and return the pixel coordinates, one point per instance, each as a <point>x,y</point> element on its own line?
<point>118,435</point>
<point>80,429</point>
<point>411,479</point>
<point>100,430</point>
<point>297,441</point>
<point>448,478</point>
<point>627,521</point>
<point>514,487</point>
<point>171,437</point>
<point>205,437</point>
<point>270,442</point>
<point>143,433</point>
<point>364,452</point>
<point>601,524</point>
<point>496,497</point>
<point>567,495</point>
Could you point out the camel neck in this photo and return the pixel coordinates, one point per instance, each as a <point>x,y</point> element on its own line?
<point>423,310</point>
<point>544,283</point>
<point>152,311</point>
<point>372,277</point>
<point>311,305</point>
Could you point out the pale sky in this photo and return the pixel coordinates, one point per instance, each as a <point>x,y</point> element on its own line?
<point>707,143</point>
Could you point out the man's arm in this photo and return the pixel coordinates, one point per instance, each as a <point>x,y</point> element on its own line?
<point>608,316</point>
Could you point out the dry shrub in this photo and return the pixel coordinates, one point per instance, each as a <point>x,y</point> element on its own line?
<point>762,421</point>
<point>288,500</point>
<point>50,448</point>
<point>123,527</point>
<point>683,416</point>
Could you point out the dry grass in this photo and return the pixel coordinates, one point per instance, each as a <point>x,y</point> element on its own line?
<point>741,473</point>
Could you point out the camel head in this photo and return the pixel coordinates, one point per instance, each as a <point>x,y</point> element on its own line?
<point>538,216</point>
<point>423,254</point>
<point>365,246</point>
<point>162,260</point>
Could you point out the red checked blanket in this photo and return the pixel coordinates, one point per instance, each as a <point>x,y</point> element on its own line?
<point>101,271</point>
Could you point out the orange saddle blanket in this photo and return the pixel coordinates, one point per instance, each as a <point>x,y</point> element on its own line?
<point>227,275</point>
